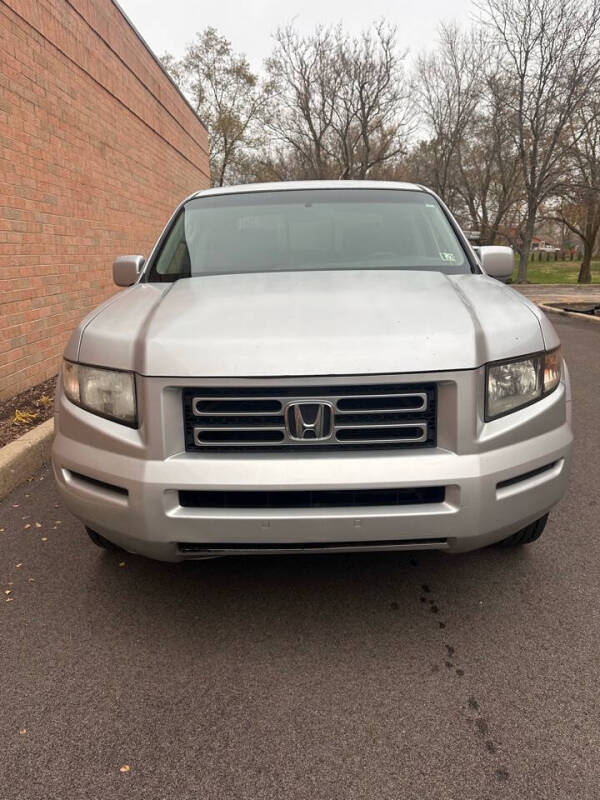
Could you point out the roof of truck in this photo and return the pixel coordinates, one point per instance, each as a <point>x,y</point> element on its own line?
<point>283,186</point>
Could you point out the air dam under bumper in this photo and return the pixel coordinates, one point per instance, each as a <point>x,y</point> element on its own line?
<point>136,503</point>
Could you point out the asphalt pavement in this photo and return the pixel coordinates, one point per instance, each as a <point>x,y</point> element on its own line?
<point>388,676</point>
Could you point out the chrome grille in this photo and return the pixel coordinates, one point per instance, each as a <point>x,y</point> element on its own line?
<point>362,416</point>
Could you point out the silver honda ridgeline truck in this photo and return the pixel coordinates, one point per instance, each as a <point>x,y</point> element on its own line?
<point>312,367</point>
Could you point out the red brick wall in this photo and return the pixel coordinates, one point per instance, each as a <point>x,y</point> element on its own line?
<point>96,149</point>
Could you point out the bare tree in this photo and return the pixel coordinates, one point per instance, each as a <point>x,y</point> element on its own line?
<point>340,108</point>
<point>448,86</point>
<point>227,96</point>
<point>372,116</point>
<point>550,50</point>
<point>580,206</point>
<point>306,84</point>
<point>469,157</point>
<point>488,170</point>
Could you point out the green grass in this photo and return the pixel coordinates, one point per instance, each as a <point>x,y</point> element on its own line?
<point>557,272</point>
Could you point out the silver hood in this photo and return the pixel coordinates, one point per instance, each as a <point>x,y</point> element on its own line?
<point>310,323</point>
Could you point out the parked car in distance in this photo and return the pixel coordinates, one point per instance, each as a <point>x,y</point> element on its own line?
<point>312,367</point>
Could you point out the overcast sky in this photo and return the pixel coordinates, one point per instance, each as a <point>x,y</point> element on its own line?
<point>167,25</point>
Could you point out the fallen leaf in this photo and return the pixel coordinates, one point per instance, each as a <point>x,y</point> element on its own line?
<point>23,417</point>
<point>125,768</point>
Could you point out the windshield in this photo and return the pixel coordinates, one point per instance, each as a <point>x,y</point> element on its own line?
<point>309,229</point>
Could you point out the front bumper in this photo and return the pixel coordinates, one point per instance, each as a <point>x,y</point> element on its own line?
<point>115,486</point>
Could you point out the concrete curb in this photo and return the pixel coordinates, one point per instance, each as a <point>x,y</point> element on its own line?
<point>563,313</point>
<point>20,459</point>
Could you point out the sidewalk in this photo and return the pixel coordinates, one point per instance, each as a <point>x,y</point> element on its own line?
<point>560,292</point>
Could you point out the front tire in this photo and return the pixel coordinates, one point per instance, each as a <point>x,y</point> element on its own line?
<point>527,534</point>
<point>100,541</point>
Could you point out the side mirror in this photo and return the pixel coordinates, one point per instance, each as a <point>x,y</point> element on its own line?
<point>126,269</point>
<point>497,262</point>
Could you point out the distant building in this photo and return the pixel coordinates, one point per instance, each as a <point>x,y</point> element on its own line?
<point>97,146</point>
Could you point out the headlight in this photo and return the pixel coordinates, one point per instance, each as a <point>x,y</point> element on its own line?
<point>107,392</point>
<point>518,383</point>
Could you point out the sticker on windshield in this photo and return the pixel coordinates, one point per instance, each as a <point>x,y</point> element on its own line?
<point>450,258</point>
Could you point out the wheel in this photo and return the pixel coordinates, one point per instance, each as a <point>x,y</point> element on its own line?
<point>100,541</point>
<point>527,534</point>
